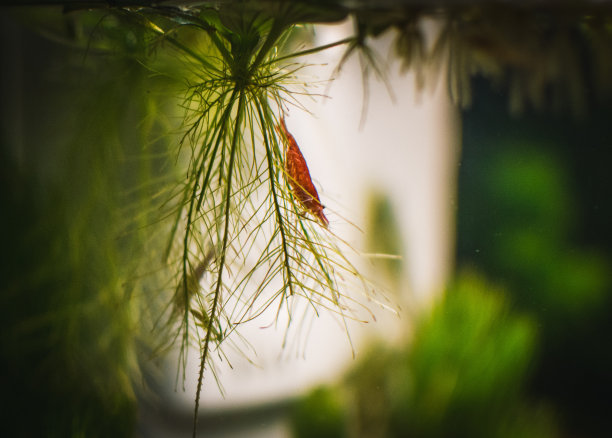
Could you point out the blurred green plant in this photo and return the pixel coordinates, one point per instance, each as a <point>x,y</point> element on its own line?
<point>535,223</point>
<point>462,374</point>
<point>383,238</point>
<point>321,414</point>
<point>467,366</point>
<point>71,330</point>
<point>530,211</point>
<point>524,211</point>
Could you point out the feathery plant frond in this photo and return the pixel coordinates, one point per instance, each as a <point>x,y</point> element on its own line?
<point>241,241</point>
<point>238,241</point>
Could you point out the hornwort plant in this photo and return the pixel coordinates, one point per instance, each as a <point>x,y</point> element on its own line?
<point>248,231</point>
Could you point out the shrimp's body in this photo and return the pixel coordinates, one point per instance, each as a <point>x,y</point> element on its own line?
<point>299,177</point>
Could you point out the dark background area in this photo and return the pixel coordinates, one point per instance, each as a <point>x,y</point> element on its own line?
<point>534,214</point>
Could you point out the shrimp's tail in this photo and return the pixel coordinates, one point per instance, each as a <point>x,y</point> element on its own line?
<point>318,212</point>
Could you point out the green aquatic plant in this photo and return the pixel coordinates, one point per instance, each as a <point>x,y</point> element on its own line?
<point>201,229</point>
<point>239,240</point>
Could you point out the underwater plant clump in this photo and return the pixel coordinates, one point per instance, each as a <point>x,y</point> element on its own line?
<point>248,232</point>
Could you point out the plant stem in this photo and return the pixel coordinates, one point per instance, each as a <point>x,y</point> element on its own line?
<point>311,51</point>
<point>273,35</point>
<point>224,118</point>
<point>190,214</point>
<point>317,257</point>
<point>279,216</point>
<point>228,195</point>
